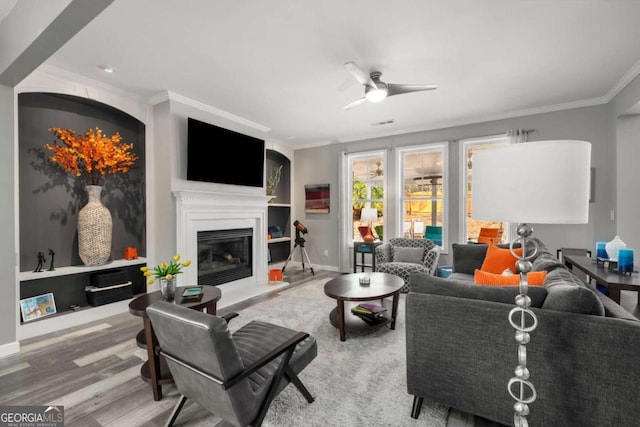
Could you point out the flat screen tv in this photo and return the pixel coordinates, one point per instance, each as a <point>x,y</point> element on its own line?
<point>223,156</point>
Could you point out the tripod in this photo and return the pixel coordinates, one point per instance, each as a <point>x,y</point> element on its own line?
<point>303,253</point>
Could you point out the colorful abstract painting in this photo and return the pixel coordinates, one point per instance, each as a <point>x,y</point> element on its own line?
<point>316,198</point>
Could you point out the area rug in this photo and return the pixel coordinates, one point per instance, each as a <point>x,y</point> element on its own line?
<point>357,382</point>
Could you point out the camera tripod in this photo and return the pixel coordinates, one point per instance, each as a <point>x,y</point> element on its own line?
<point>303,253</point>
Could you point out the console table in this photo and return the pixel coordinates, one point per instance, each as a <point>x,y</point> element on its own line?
<point>155,369</point>
<point>614,282</point>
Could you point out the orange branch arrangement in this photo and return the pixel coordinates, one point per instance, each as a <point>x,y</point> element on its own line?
<point>92,155</point>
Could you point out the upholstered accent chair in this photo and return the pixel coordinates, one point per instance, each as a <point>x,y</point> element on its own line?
<point>402,256</point>
<point>490,236</point>
<point>233,375</point>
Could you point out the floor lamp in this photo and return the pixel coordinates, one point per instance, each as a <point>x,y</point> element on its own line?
<point>544,182</point>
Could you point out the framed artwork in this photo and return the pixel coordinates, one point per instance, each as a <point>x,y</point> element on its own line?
<point>38,306</point>
<point>316,198</point>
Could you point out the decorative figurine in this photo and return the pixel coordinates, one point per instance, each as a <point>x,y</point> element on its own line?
<point>53,254</point>
<point>41,261</point>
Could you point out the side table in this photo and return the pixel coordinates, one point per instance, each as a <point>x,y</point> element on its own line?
<point>364,248</point>
<point>155,369</point>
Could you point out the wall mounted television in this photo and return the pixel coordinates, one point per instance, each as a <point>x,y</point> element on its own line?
<point>208,159</point>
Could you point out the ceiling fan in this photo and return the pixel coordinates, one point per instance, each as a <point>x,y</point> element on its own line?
<point>376,90</point>
<point>378,172</point>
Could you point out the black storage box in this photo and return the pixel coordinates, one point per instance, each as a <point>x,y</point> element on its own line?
<point>109,278</point>
<point>100,296</point>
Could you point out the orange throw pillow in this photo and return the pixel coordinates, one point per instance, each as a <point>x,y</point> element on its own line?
<point>499,259</point>
<point>534,278</point>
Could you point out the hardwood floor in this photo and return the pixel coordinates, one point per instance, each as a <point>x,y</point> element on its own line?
<point>94,371</point>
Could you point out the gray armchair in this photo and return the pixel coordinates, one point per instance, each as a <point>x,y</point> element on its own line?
<point>403,256</point>
<point>235,376</point>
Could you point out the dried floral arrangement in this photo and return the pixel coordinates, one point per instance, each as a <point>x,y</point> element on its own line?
<point>92,155</point>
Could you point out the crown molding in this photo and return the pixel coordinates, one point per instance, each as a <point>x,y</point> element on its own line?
<point>172,96</point>
<point>483,119</point>
<point>623,82</point>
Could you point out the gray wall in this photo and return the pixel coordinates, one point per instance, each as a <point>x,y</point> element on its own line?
<point>625,129</point>
<point>628,181</point>
<point>9,300</point>
<point>50,198</point>
<point>589,124</point>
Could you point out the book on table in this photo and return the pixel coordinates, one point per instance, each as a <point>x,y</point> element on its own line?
<point>369,312</point>
<point>192,294</point>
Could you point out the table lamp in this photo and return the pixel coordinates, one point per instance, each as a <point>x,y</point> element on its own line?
<point>368,216</point>
<point>543,182</point>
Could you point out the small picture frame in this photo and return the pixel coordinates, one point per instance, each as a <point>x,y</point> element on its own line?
<point>36,307</point>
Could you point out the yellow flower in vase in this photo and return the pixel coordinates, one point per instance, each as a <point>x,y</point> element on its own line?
<point>164,270</point>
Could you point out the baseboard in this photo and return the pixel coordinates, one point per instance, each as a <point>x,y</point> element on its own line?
<point>9,349</point>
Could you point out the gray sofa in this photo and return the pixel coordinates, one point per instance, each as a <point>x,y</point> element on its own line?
<point>461,350</point>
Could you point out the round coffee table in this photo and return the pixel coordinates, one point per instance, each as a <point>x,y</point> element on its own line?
<point>347,288</point>
<point>155,369</point>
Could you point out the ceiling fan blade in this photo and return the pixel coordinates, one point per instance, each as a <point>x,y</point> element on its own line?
<point>398,89</point>
<point>361,76</point>
<point>355,103</point>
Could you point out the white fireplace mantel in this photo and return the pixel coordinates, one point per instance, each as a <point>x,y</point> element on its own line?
<point>206,211</point>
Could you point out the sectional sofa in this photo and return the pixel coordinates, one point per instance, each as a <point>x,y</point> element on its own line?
<point>461,350</point>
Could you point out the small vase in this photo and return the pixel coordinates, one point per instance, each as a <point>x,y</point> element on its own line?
<point>94,229</point>
<point>168,288</point>
<point>613,246</point>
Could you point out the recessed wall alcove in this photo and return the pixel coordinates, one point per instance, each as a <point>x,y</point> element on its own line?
<point>50,198</point>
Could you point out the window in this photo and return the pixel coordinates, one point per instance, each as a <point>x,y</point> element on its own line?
<point>423,192</point>
<point>367,181</point>
<point>470,228</point>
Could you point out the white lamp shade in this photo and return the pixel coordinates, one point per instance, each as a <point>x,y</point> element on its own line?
<point>543,182</point>
<point>368,215</point>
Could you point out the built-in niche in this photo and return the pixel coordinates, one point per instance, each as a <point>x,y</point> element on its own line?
<point>49,198</point>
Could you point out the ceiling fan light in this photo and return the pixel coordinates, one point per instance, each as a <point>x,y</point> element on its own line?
<point>376,95</point>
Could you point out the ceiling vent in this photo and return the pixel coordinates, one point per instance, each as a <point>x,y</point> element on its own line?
<point>385,122</point>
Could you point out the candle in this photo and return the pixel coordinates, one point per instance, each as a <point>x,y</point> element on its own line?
<point>625,260</point>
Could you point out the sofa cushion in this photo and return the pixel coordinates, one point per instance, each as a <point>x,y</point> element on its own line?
<point>534,278</point>
<point>567,292</point>
<point>406,254</point>
<point>467,258</point>
<point>424,283</point>
<point>544,260</point>
<point>461,276</point>
<point>497,260</point>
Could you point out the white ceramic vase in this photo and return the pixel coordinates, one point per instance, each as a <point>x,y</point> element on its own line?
<point>613,246</point>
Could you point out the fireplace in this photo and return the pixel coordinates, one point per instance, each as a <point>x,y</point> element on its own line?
<point>199,212</point>
<point>224,255</point>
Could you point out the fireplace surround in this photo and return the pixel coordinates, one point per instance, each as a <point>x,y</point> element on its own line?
<point>198,211</point>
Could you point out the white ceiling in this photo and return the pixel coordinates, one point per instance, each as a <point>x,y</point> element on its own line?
<point>279,63</point>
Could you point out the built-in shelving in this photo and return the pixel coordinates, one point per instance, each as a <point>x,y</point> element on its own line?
<point>67,284</point>
<point>76,269</point>
<point>279,208</point>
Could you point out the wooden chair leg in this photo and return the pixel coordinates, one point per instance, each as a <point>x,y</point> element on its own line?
<point>417,405</point>
<point>293,378</point>
<point>176,410</point>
